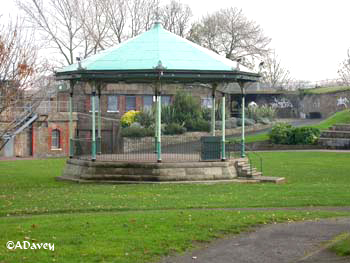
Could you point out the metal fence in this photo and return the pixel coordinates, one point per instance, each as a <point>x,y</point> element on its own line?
<point>174,149</point>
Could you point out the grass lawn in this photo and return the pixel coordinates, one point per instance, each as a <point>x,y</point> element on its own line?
<point>140,223</point>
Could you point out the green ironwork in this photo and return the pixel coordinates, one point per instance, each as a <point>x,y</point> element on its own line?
<point>71,145</point>
<point>213,115</point>
<point>243,127</point>
<point>210,148</point>
<point>223,156</point>
<point>159,132</point>
<point>99,137</point>
<point>93,143</point>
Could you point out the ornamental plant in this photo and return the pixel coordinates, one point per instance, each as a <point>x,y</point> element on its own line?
<point>128,118</point>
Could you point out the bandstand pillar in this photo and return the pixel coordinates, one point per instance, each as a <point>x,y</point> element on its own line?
<point>93,117</point>
<point>71,130</point>
<point>223,109</point>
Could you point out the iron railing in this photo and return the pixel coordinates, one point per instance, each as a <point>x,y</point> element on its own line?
<point>174,149</point>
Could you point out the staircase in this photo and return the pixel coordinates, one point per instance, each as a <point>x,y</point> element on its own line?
<point>245,169</point>
<point>250,174</point>
<point>337,137</point>
<point>17,126</point>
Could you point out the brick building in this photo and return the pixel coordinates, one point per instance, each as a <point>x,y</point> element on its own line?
<point>48,134</point>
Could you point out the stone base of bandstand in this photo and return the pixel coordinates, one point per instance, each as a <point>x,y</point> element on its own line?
<point>108,172</point>
<point>128,172</point>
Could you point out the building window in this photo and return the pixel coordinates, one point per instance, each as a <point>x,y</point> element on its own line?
<point>130,103</point>
<point>55,139</point>
<point>207,103</point>
<point>147,102</point>
<point>112,103</point>
<point>96,103</point>
<point>166,100</point>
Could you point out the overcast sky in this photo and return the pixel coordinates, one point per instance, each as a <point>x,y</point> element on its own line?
<point>311,37</point>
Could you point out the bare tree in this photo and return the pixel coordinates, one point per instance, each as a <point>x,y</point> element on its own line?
<point>20,69</point>
<point>59,22</point>
<point>116,18</point>
<point>142,14</point>
<point>230,33</point>
<point>344,70</point>
<point>175,17</point>
<point>274,75</point>
<point>95,28</point>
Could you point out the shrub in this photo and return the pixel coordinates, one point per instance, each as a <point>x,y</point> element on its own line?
<point>174,128</point>
<point>168,114</point>
<point>258,112</point>
<point>281,134</point>
<point>128,118</point>
<point>186,108</point>
<point>206,114</point>
<point>145,118</point>
<point>306,135</point>
<point>198,125</point>
<point>137,132</point>
<point>286,134</point>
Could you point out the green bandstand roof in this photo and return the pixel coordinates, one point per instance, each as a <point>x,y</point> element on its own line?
<point>156,54</point>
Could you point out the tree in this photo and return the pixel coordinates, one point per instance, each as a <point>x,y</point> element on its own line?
<point>142,14</point>
<point>175,17</point>
<point>60,23</point>
<point>228,32</point>
<point>20,69</point>
<point>344,70</point>
<point>116,18</point>
<point>274,75</point>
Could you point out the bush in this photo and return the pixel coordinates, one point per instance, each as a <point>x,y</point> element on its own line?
<point>258,112</point>
<point>174,128</point>
<point>286,134</point>
<point>145,118</point>
<point>168,114</point>
<point>306,135</point>
<point>206,114</point>
<point>128,118</point>
<point>186,108</point>
<point>137,132</point>
<point>281,134</point>
<point>198,125</point>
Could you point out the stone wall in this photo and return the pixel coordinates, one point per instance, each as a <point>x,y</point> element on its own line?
<point>136,144</point>
<point>325,104</point>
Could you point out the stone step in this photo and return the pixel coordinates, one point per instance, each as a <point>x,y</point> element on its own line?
<point>246,166</point>
<point>263,179</point>
<point>341,127</point>
<point>248,170</point>
<point>250,173</point>
<point>335,134</point>
<point>270,179</point>
<point>241,163</point>
<point>335,143</point>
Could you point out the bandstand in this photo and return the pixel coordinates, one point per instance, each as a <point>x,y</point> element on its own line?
<point>156,57</point>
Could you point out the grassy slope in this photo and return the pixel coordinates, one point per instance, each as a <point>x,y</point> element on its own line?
<point>94,223</point>
<point>338,117</point>
<point>324,90</point>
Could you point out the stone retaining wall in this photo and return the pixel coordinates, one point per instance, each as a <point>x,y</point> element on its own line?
<point>145,143</point>
<point>114,171</point>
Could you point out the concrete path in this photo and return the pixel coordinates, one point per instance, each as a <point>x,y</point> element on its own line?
<point>303,242</point>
